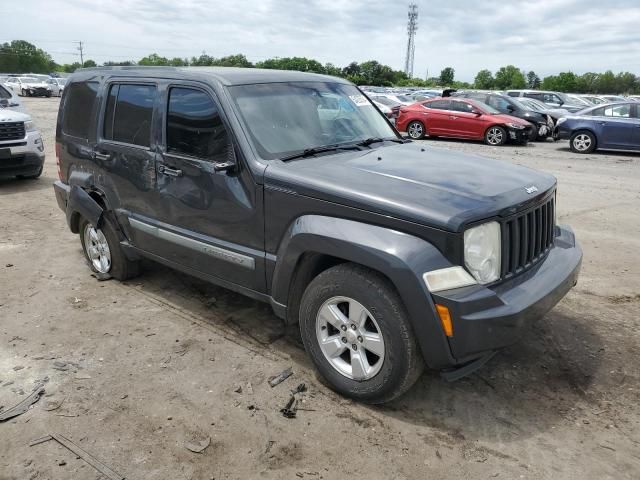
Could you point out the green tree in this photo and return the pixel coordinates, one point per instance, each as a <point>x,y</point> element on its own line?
<point>237,60</point>
<point>20,56</point>
<point>509,77</point>
<point>533,80</point>
<point>606,83</point>
<point>90,63</point>
<point>293,63</point>
<point>447,76</point>
<point>626,83</point>
<point>154,60</point>
<point>484,80</point>
<point>587,82</point>
<point>332,70</point>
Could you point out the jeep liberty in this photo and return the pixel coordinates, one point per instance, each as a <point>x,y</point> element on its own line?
<point>292,188</point>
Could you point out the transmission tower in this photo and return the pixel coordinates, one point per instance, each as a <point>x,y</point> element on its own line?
<point>412,27</point>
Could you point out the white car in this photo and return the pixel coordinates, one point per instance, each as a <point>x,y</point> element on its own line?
<point>21,147</point>
<point>29,86</point>
<point>57,85</point>
<point>9,100</point>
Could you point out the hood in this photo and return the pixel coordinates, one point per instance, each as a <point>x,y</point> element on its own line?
<point>9,115</point>
<point>35,84</point>
<point>426,185</point>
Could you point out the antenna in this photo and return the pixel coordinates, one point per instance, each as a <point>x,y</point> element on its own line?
<point>412,27</point>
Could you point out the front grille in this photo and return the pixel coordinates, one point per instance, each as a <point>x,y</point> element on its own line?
<point>527,237</point>
<point>11,131</point>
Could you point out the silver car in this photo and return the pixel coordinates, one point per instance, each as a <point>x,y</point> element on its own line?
<point>29,86</point>
<point>57,85</point>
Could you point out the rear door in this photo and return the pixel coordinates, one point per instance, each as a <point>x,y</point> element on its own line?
<point>125,148</point>
<point>437,118</point>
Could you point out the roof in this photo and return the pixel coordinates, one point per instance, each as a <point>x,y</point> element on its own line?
<point>225,75</point>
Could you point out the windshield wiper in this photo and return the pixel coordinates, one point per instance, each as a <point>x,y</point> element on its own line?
<point>309,152</point>
<point>370,140</point>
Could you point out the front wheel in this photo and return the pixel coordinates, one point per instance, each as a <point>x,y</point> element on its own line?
<point>416,130</point>
<point>582,142</point>
<point>103,252</point>
<point>356,331</point>
<point>495,136</point>
<point>24,92</point>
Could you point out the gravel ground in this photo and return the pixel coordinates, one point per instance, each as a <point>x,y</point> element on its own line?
<point>136,372</point>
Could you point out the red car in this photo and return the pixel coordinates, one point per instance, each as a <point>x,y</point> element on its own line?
<point>461,118</point>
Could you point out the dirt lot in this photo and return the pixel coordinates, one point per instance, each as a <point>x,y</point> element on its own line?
<point>135,371</point>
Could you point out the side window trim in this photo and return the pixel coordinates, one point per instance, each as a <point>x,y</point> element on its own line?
<point>103,111</point>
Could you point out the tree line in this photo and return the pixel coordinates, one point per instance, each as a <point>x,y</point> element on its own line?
<point>20,56</point>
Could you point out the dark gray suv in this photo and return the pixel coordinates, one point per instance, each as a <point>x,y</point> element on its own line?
<point>293,189</point>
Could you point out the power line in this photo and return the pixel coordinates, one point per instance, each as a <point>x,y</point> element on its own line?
<point>412,27</point>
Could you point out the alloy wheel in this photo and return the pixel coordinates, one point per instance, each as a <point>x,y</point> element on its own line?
<point>582,142</point>
<point>97,248</point>
<point>350,338</point>
<point>415,130</point>
<point>494,136</point>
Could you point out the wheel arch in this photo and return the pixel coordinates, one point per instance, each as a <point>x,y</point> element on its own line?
<point>314,243</point>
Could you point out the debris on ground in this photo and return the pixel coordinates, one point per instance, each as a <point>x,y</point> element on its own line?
<point>299,389</point>
<point>249,388</point>
<point>80,453</point>
<point>51,406</point>
<point>101,277</point>
<point>197,445</point>
<point>24,405</point>
<point>238,389</point>
<point>278,379</point>
<point>289,410</point>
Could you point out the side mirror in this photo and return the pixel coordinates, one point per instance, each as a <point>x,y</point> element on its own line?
<point>224,167</point>
<point>511,108</point>
<point>4,103</point>
<point>476,112</point>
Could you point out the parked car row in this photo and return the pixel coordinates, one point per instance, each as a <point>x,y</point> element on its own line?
<point>34,85</point>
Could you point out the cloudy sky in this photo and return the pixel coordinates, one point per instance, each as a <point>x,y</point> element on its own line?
<point>546,36</point>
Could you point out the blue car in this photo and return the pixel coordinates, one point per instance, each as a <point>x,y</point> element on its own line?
<point>614,126</point>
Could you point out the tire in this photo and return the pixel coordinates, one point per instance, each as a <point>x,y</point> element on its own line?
<point>118,265</point>
<point>49,95</point>
<point>583,142</point>
<point>416,130</point>
<point>24,92</point>
<point>495,136</point>
<point>383,327</point>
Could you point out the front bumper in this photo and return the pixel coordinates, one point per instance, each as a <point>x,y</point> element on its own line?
<point>522,135</point>
<point>38,92</point>
<point>489,318</point>
<point>560,133</point>
<point>22,157</point>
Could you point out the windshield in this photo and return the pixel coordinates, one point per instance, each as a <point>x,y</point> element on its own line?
<point>532,104</point>
<point>29,79</point>
<point>285,118</point>
<point>404,98</point>
<point>569,101</point>
<point>487,108</point>
<point>61,81</point>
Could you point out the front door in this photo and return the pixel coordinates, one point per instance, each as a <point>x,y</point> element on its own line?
<point>208,220</point>
<point>467,124</point>
<point>617,127</point>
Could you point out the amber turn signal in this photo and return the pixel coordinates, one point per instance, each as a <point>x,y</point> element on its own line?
<point>445,320</point>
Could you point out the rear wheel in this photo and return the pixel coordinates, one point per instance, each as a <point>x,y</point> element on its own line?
<point>103,252</point>
<point>356,331</point>
<point>416,130</point>
<point>582,142</point>
<point>495,136</point>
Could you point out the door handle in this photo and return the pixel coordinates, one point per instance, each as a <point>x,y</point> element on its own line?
<point>452,117</point>
<point>172,172</point>
<point>101,156</point>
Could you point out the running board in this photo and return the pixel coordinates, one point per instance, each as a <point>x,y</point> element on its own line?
<point>460,372</point>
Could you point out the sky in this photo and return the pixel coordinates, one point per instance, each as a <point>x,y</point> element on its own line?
<point>546,36</point>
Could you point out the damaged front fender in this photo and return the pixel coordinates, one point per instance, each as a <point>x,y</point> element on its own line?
<point>81,205</point>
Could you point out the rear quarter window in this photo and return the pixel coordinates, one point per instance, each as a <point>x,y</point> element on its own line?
<point>78,106</point>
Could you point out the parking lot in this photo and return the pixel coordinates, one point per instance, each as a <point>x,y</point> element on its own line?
<point>136,373</point>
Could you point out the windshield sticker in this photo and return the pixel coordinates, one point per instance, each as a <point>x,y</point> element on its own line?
<point>359,100</point>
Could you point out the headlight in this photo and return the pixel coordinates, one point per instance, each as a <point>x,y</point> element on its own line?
<point>515,125</point>
<point>29,126</point>
<point>561,120</point>
<point>482,252</point>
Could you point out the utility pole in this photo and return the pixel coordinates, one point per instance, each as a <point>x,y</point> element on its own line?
<point>412,27</point>
<point>81,53</point>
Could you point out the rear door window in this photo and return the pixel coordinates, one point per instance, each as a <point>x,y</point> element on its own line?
<point>129,113</point>
<point>78,106</point>
<point>439,104</point>
<point>194,126</point>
